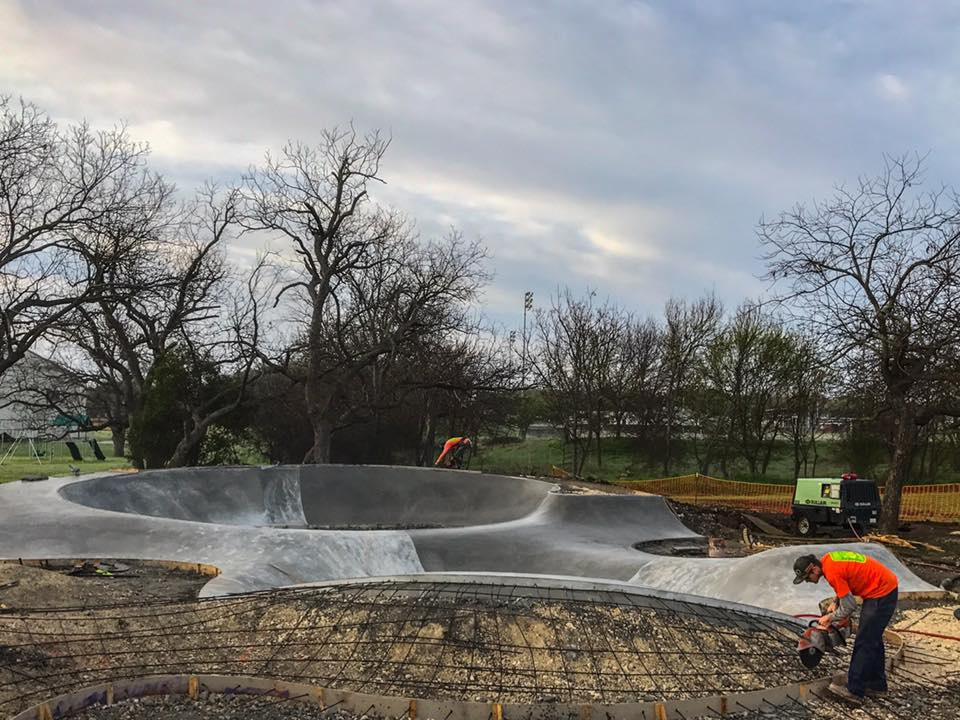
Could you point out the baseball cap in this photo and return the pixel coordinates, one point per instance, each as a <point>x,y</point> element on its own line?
<point>800,566</point>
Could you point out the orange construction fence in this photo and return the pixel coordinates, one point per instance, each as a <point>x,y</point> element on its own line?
<point>935,503</point>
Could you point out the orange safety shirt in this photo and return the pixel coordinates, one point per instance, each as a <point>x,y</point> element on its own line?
<point>447,447</point>
<point>853,573</point>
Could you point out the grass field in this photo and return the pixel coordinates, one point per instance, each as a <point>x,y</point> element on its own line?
<point>55,460</point>
<point>621,461</point>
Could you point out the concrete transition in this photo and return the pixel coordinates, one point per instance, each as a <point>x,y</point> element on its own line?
<point>277,526</point>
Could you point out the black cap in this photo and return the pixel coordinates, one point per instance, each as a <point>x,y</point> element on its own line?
<point>800,566</point>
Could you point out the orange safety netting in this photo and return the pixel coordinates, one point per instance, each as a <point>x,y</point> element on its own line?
<point>936,503</point>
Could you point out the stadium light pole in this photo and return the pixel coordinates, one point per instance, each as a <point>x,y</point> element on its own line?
<point>527,306</point>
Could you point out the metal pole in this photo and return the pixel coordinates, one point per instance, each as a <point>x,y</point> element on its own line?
<point>527,305</point>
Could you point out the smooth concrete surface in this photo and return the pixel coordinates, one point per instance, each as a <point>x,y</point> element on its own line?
<point>581,535</point>
<point>245,521</point>
<point>764,579</point>
<point>315,495</point>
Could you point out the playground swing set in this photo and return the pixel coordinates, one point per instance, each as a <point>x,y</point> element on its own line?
<point>47,448</point>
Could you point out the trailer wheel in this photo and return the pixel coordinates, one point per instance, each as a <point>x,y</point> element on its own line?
<point>805,526</point>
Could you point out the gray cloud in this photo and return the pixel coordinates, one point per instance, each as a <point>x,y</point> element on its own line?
<point>625,146</point>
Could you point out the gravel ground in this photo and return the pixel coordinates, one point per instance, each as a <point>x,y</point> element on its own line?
<point>215,707</point>
<point>438,640</point>
<point>927,686</point>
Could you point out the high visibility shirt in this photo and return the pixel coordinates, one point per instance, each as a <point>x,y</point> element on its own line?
<point>448,446</point>
<point>852,573</point>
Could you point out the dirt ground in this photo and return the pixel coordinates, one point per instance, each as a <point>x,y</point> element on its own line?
<point>67,586</point>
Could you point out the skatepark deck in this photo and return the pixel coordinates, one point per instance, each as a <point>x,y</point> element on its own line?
<point>257,526</point>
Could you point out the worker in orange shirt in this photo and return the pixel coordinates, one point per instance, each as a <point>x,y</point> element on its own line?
<point>453,451</point>
<point>851,574</point>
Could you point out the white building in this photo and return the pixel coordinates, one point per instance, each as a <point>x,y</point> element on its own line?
<point>38,399</point>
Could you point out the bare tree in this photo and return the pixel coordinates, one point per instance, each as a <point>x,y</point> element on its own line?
<point>762,354</point>
<point>395,319</point>
<point>169,290</point>
<point>875,272</point>
<point>690,329</point>
<point>62,191</point>
<point>462,384</point>
<point>808,381</point>
<point>316,199</point>
<point>576,341</point>
<point>226,348</point>
<point>633,384</point>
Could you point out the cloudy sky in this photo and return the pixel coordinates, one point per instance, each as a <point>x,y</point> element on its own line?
<point>627,147</point>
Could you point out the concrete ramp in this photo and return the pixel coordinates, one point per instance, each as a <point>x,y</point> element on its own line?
<point>764,579</point>
<point>366,495</point>
<point>278,526</point>
<point>581,535</point>
<point>337,496</point>
<point>229,496</point>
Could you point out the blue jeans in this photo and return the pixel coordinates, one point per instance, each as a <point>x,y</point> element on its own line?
<point>867,666</point>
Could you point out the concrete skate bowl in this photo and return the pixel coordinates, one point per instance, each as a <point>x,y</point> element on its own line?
<point>424,646</point>
<point>334,497</point>
<point>270,527</point>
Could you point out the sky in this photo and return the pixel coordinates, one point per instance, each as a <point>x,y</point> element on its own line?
<point>624,147</point>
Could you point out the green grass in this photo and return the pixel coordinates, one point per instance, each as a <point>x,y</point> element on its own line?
<point>536,456</point>
<point>56,460</point>
<point>623,461</point>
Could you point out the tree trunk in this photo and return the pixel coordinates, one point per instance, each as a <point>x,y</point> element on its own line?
<point>707,459</point>
<point>922,459</point>
<point>319,452</point>
<point>319,401</point>
<point>599,450</point>
<point>428,440</point>
<point>188,447</point>
<point>904,445</point>
<point>119,435</point>
<point>668,447</point>
<point>765,463</point>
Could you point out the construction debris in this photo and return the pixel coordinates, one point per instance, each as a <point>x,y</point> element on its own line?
<point>898,541</point>
<point>765,527</point>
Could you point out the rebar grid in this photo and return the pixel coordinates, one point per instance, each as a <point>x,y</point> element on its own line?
<point>443,640</point>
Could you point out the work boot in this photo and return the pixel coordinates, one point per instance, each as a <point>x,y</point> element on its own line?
<point>842,693</point>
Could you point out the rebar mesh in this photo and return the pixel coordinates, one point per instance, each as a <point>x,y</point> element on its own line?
<point>455,641</point>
